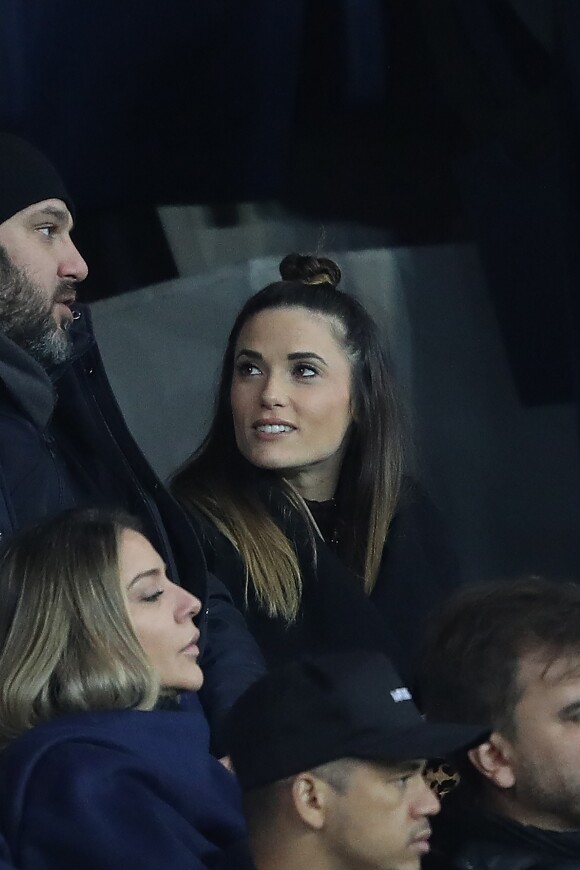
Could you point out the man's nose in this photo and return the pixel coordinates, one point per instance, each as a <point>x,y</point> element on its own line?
<point>426,802</point>
<point>72,265</point>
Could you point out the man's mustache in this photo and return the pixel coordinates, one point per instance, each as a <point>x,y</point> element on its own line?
<point>66,293</point>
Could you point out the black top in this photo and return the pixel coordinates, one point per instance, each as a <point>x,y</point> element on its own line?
<point>324,513</point>
<point>417,573</point>
<point>465,837</point>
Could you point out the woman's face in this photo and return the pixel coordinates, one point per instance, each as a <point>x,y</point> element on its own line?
<point>161,613</point>
<point>291,398</point>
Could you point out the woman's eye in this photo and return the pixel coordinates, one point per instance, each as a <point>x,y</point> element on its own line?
<point>305,371</point>
<point>155,596</point>
<point>248,368</point>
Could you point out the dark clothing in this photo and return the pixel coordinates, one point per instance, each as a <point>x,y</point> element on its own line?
<point>64,443</point>
<point>5,857</point>
<point>417,573</point>
<point>127,789</point>
<point>470,839</point>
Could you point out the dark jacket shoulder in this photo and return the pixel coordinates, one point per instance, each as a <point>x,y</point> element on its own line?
<point>120,788</point>
<point>419,569</point>
<point>466,837</point>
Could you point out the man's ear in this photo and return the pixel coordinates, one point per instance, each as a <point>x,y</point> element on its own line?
<point>311,796</point>
<point>493,759</point>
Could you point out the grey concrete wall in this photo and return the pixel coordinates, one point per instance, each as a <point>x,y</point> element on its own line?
<point>507,477</point>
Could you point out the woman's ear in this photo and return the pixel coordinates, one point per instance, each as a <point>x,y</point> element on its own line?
<point>493,760</point>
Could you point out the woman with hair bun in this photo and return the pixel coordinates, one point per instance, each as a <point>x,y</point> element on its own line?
<point>104,757</point>
<point>310,518</point>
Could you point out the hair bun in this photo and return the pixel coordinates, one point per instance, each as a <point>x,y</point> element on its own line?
<point>310,270</point>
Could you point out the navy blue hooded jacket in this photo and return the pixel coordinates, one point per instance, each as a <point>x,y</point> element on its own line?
<point>64,443</point>
<point>127,789</point>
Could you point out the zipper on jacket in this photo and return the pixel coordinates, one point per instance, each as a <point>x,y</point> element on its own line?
<point>50,442</point>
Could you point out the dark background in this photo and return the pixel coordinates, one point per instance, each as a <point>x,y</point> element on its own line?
<point>440,121</point>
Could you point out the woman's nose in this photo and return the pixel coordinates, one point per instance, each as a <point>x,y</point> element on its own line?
<point>273,394</point>
<point>188,605</point>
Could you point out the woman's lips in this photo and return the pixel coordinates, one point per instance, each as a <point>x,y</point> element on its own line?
<point>191,648</point>
<point>271,428</point>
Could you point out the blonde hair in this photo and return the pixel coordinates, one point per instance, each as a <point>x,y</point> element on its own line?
<point>66,641</point>
<point>270,561</point>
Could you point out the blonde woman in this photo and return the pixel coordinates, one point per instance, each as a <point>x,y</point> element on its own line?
<point>105,759</point>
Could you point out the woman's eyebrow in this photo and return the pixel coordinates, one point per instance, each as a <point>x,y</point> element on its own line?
<point>253,354</point>
<point>152,572</point>
<point>298,354</point>
<point>306,354</point>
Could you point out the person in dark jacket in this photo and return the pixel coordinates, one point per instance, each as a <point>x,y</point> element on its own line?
<point>322,539</point>
<point>509,654</point>
<point>104,757</point>
<point>63,439</point>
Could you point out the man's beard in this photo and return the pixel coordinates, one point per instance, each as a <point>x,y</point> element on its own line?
<point>555,794</point>
<point>26,315</point>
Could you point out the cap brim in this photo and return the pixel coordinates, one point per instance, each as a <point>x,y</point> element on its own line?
<point>424,740</point>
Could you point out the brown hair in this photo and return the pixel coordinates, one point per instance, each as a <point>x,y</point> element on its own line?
<point>217,480</point>
<point>470,665</point>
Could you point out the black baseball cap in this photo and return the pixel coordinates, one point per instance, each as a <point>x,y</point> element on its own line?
<point>27,177</point>
<point>316,710</point>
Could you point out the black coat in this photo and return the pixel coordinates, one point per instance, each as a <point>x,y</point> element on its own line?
<point>417,574</point>
<point>466,838</point>
<point>64,443</point>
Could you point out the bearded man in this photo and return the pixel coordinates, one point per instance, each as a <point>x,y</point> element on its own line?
<point>63,440</point>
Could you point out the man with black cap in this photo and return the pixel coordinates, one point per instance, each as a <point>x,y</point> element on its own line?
<point>330,753</point>
<point>63,440</point>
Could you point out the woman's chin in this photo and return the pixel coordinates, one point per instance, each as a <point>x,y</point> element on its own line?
<point>190,683</point>
<point>195,681</point>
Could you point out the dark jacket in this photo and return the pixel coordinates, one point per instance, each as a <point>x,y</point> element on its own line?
<point>5,857</point>
<point>64,443</point>
<point>417,574</point>
<point>119,789</point>
<point>467,838</point>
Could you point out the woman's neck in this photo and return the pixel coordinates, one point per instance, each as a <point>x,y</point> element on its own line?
<point>313,484</point>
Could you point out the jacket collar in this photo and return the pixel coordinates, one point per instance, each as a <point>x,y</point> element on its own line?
<point>28,384</point>
<point>501,843</point>
<point>540,840</point>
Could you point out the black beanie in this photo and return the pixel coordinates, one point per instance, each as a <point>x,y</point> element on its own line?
<point>26,177</point>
